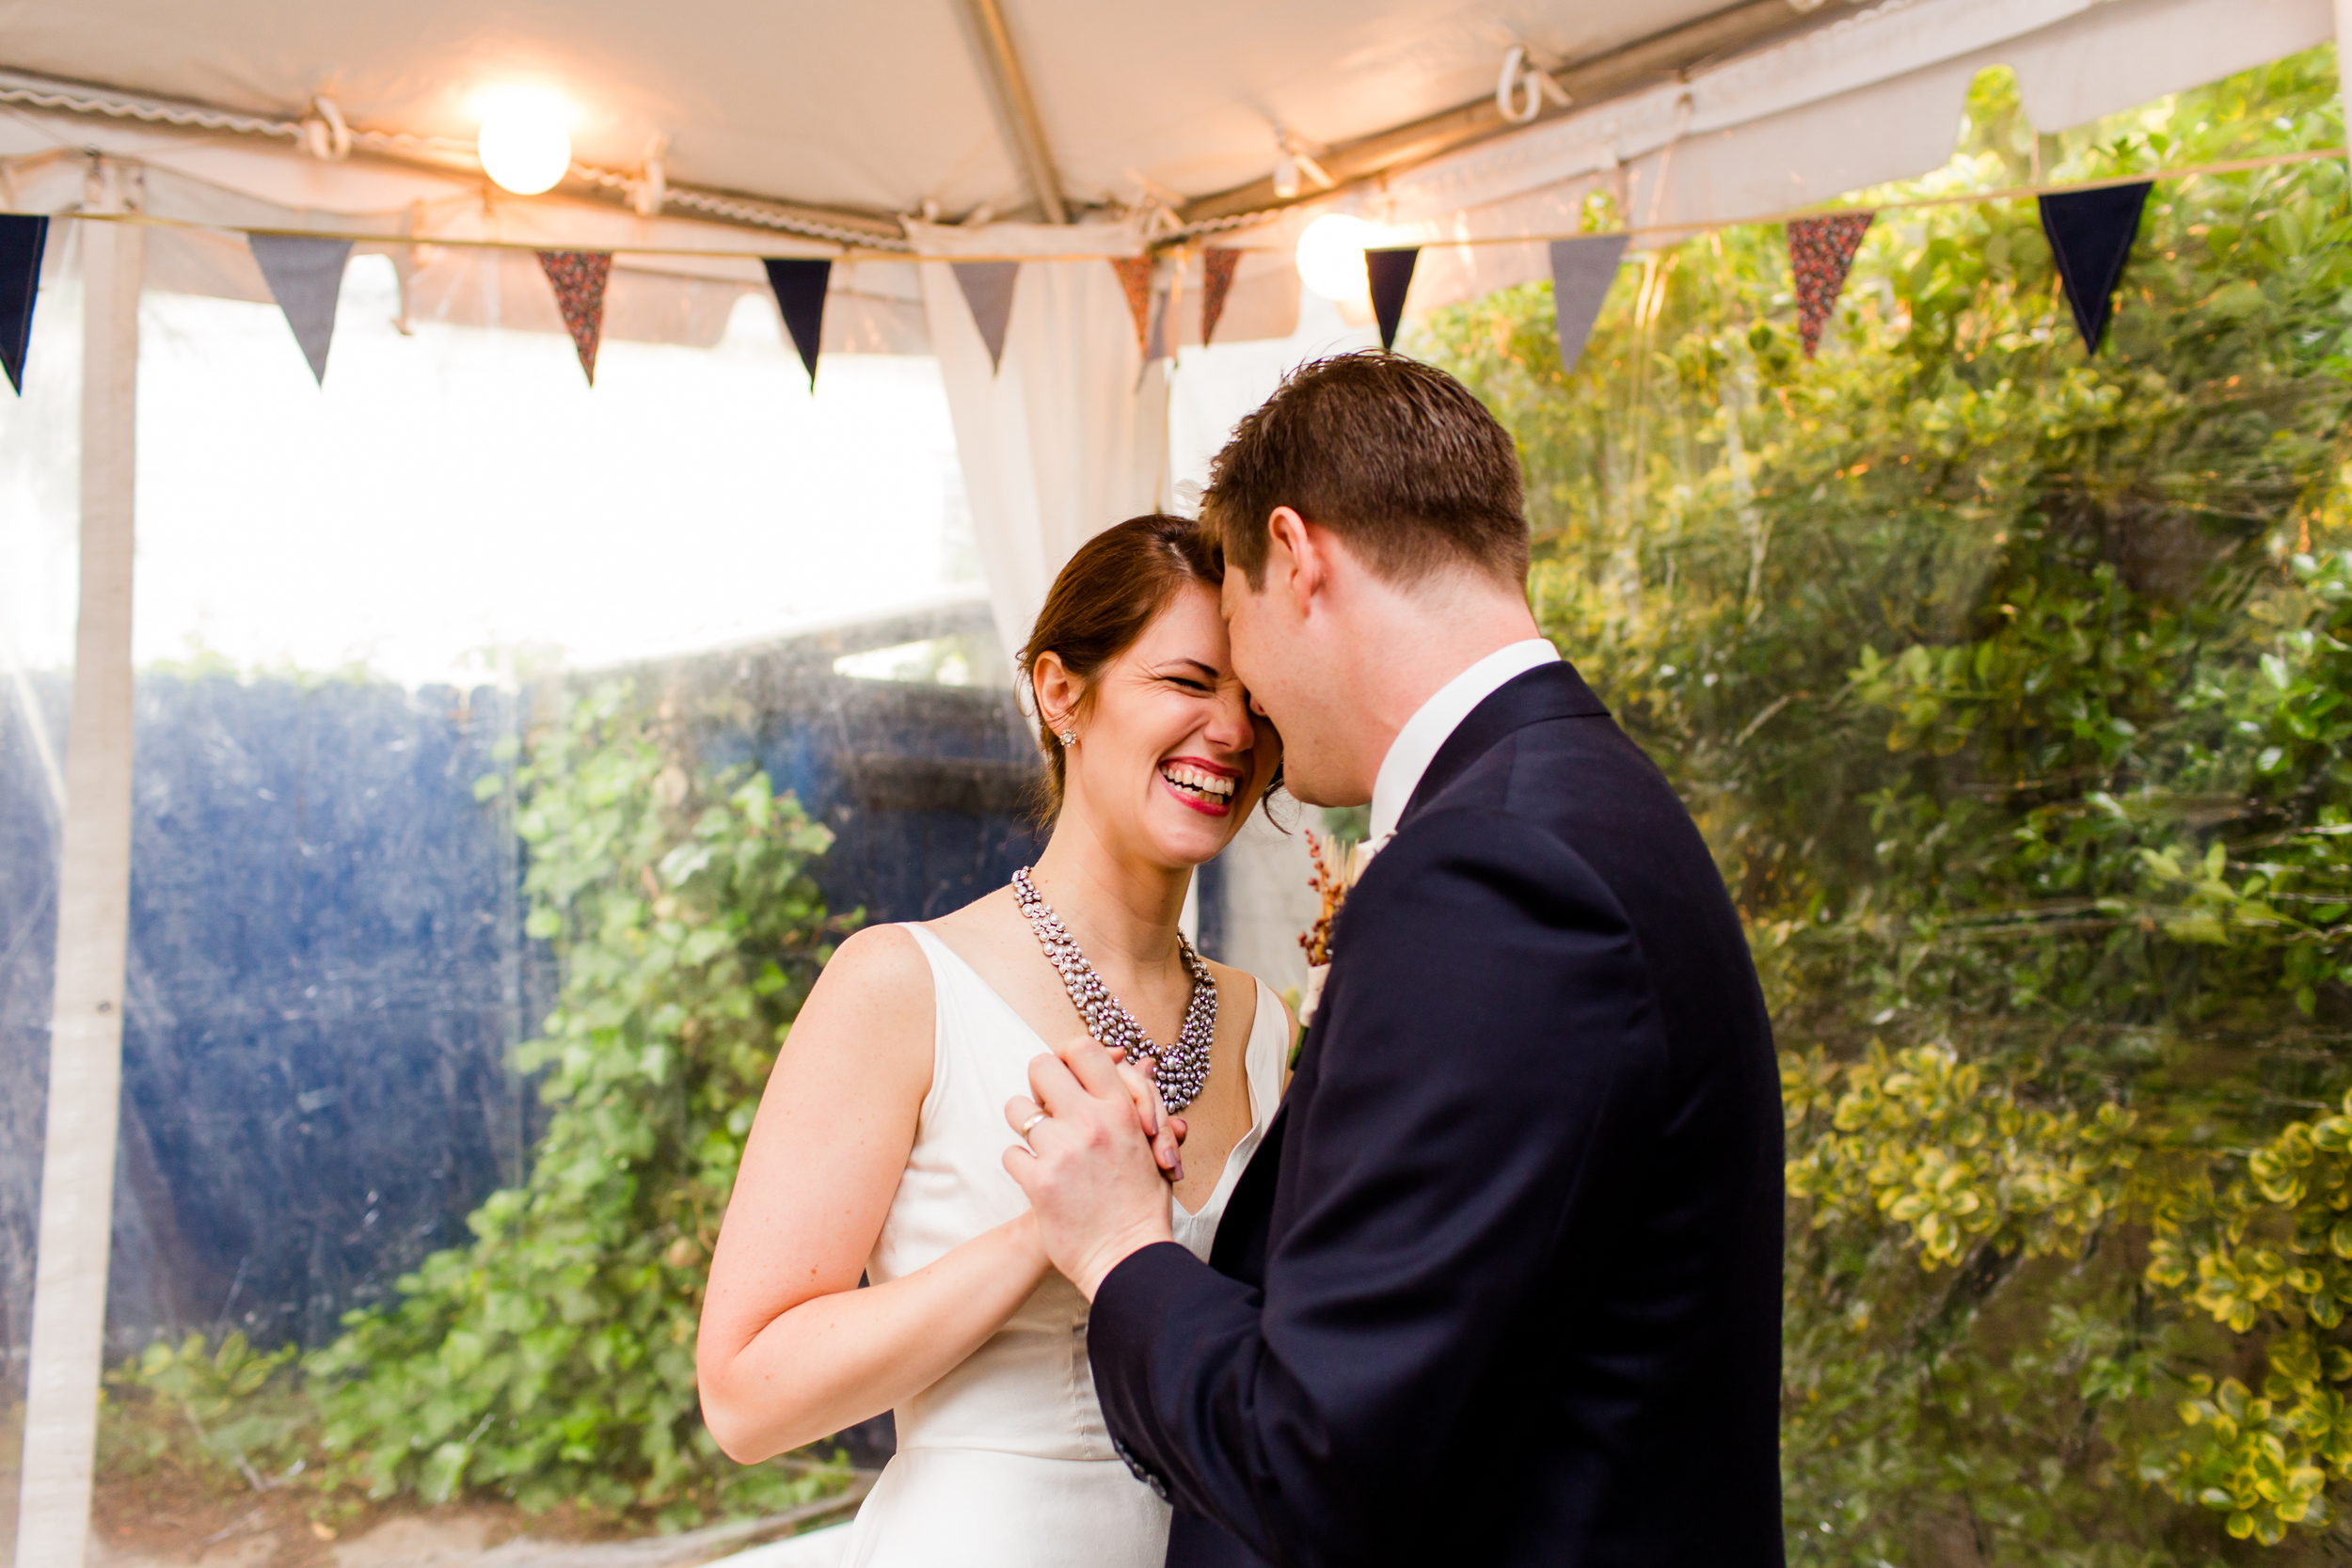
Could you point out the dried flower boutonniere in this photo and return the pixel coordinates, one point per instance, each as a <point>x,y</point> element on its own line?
<point>1335,872</point>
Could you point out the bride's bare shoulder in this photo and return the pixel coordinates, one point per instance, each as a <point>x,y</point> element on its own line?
<point>876,989</point>
<point>985,931</point>
<point>876,953</point>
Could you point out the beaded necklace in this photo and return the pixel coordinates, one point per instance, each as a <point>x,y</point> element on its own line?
<point>1183,1067</point>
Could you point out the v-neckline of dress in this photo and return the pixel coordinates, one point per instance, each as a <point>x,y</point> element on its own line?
<point>1227,1172</point>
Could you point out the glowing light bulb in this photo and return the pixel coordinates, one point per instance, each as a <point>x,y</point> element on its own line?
<point>526,141</point>
<point>1331,256</point>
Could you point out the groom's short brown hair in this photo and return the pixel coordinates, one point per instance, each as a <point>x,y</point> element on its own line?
<point>1394,457</point>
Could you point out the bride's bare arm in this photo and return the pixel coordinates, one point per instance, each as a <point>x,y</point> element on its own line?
<point>792,1349</point>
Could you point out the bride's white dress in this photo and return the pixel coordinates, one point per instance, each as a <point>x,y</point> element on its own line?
<point>1005,1462</point>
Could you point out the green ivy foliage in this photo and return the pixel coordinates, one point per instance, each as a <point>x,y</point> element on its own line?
<point>552,1360</point>
<point>2010,685</point>
<point>226,1416</point>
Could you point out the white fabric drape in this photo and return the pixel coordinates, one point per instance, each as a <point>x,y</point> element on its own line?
<point>1068,436</point>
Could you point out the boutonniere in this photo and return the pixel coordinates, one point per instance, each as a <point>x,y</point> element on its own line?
<point>1334,873</point>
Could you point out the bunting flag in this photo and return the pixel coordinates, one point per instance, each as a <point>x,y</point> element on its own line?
<point>1155,340</point>
<point>1134,277</point>
<point>1582,271</point>
<point>1391,273</point>
<point>800,283</point>
<point>1820,250</point>
<point>579,278</point>
<point>22,241</point>
<point>1217,280</point>
<point>304,275</point>
<point>2090,233</point>
<point>987,292</point>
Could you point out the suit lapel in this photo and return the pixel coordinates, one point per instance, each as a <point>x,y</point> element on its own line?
<point>1551,691</point>
<point>1240,1247</point>
<point>1548,692</point>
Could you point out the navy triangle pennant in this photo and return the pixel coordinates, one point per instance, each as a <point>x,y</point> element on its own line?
<point>22,241</point>
<point>800,283</point>
<point>1391,273</point>
<point>2090,233</point>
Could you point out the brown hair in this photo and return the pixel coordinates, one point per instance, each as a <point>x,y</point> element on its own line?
<point>1104,598</point>
<point>1394,457</point>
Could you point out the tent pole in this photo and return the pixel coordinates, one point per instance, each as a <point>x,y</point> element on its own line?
<point>1020,107</point>
<point>93,922</point>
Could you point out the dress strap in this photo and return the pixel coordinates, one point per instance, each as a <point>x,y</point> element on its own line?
<point>933,949</point>
<point>1266,1055</point>
<point>940,957</point>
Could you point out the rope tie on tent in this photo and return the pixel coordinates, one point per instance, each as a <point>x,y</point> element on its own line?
<point>1520,94</point>
<point>325,135</point>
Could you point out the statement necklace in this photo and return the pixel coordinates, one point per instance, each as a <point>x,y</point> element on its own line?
<point>1181,1068</point>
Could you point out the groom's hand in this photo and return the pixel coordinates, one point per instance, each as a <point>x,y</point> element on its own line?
<point>1087,1167</point>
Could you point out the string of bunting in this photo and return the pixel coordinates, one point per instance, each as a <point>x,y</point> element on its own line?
<point>2089,226</point>
<point>2089,230</point>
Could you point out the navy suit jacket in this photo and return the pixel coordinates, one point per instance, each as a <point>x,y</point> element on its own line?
<point>1502,1284</point>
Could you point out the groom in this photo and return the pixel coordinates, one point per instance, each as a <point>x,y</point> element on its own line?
<point>1502,1285</point>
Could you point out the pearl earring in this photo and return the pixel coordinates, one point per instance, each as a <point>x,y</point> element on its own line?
<point>1068,737</point>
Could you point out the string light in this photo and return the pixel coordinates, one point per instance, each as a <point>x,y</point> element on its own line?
<point>526,141</point>
<point>1331,256</point>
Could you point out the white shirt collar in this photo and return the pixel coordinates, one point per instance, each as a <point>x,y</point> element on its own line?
<point>1417,744</point>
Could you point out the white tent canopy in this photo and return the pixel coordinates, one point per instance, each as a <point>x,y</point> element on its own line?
<point>874,108</point>
<point>837,127</point>
<point>898,138</point>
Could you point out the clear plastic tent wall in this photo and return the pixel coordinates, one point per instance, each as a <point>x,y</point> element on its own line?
<point>358,605</point>
<point>352,601</point>
<point>38,504</point>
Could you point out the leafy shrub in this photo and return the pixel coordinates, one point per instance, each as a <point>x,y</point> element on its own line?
<point>552,1359</point>
<point>228,1416</point>
<point>2010,685</point>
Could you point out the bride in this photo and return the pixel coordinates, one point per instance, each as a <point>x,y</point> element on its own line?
<point>879,1143</point>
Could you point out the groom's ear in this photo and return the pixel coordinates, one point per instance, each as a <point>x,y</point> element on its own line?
<point>1297,555</point>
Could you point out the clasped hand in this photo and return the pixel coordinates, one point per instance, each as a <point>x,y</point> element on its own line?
<point>1097,1167</point>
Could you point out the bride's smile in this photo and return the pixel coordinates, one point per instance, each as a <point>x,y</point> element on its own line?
<point>1202,786</point>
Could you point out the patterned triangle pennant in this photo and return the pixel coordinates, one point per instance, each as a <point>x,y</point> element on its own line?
<point>306,277</point>
<point>800,283</point>
<point>1820,250</point>
<point>22,241</point>
<point>987,292</point>
<point>579,278</point>
<point>1217,280</point>
<point>1389,271</point>
<point>1582,271</point>
<point>2090,234</point>
<point>1135,278</point>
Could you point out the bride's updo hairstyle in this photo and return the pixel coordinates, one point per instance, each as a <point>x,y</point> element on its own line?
<point>1110,591</point>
